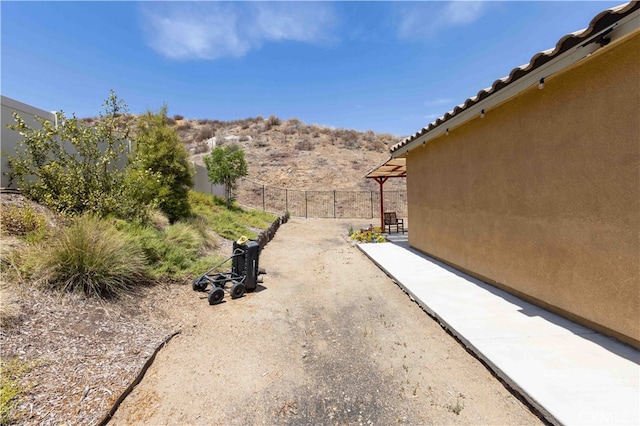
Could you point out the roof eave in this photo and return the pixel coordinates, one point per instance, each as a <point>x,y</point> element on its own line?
<point>489,98</point>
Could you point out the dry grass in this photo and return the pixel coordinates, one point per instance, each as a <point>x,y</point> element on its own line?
<point>81,352</point>
<point>10,308</point>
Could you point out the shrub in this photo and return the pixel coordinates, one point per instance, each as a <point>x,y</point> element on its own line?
<point>162,162</point>
<point>261,143</point>
<point>271,122</point>
<point>304,145</point>
<point>178,117</point>
<point>21,220</point>
<point>369,136</point>
<point>70,167</point>
<point>201,148</point>
<point>370,235</point>
<point>377,145</point>
<point>204,133</point>
<point>92,257</point>
<point>185,125</point>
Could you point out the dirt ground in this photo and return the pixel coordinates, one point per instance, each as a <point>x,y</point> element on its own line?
<point>327,339</point>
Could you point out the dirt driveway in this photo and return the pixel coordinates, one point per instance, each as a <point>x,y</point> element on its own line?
<point>329,340</point>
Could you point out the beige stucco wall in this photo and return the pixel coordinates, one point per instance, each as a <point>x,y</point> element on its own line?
<point>542,196</point>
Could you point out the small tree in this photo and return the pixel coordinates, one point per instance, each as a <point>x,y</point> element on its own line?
<point>71,167</point>
<point>225,165</point>
<point>162,166</point>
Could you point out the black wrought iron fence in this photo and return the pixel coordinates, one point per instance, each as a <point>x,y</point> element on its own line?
<point>319,204</point>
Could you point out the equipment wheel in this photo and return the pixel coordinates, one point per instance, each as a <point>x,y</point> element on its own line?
<point>216,295</point>
<point>200,283</point>
<point>237,290</point>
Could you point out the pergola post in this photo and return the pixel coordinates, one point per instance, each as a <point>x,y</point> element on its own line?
<point>381,181</point>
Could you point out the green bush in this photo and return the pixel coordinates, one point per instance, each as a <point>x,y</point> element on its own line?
<point>70,167</point>
<point>162,165</point>
<point>92,257</point>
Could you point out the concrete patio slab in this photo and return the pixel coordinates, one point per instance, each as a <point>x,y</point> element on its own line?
<point>570,373</point>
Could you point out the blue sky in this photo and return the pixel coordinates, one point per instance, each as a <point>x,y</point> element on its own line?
<point>390,67</point>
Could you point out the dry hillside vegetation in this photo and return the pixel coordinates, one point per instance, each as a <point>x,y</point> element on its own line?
<point>294,155</point>
<point>291,154</point>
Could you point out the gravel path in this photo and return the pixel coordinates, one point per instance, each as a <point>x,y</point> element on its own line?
<point>329,339</point>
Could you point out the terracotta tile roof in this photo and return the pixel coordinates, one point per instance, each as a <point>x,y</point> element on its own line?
<point>600,23</point>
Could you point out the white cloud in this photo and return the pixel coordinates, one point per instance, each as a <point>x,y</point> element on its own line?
<point>423,20</point>
<point>296,21</point>
<point>464,12</point>
<point>211,30</point>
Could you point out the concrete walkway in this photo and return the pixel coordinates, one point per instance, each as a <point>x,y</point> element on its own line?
<point>572,374</point>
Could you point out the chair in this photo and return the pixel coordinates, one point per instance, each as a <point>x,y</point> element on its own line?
<point>390,220</point>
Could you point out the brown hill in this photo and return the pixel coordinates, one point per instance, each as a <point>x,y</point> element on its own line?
<point>294,155</point>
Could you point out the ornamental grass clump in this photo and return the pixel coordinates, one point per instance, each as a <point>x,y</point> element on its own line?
<point>91,257</point>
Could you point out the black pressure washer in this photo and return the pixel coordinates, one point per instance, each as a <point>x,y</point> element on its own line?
<point>244,275</point>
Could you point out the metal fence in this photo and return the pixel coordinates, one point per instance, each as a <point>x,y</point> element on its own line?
<point>319,204</point>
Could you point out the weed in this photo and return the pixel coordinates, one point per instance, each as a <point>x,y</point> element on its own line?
<point>456,409</point>
<point>23,221</point>
<point>10,388</point>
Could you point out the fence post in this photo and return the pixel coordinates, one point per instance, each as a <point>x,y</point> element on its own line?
<point>263,205</point>
<point>306,212</point>
<point>371,202</point>
<point>334,203</point>
<point>286,200</point>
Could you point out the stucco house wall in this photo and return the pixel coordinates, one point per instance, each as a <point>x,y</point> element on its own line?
<point>541,197</point>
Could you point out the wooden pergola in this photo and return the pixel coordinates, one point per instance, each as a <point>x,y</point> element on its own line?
<point>392,168</point>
